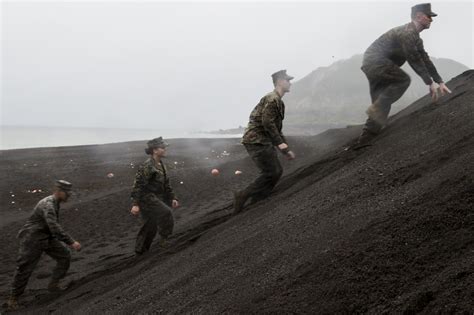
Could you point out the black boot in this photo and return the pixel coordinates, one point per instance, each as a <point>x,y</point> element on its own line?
<point>164,242</point>
<point>54,286</point>
<point>364,139</point>
<point>12,303</point>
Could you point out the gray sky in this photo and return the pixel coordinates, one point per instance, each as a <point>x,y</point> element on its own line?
<point>192,66</point>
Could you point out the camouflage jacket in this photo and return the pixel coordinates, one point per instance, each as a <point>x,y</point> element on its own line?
<point>266,121</point>
<point>44,222</point>
<point>154,179</point>
<point>400,44</point>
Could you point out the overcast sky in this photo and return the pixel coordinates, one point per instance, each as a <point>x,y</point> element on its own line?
<point>192,66</point>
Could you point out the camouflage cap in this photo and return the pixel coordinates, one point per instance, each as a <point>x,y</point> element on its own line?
<point>281,75</point>
<point>63,185</point>
<point>157,143</point>
<point>423,8</point>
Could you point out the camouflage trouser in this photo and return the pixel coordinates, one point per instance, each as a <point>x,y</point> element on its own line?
<point>387,84</point>
<point>155,213</point>
<point>266,159</point>
<point>29,255</point>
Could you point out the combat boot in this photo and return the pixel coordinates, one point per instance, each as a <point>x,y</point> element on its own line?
<point>163,243</point>
<point>53,286</point>
<point>364,139</point>
<point>375,113</point>
<point>366,136</point>
<point>12,303</point>
<point>240,197</point>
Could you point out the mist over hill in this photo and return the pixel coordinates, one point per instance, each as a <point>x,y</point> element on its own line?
<point>338,95</point>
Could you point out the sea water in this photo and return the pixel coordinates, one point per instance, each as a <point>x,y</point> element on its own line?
<point>15,137</point>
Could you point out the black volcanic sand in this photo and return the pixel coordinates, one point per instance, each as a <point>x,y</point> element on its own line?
<point>385,229</point>
<point>98,213</point>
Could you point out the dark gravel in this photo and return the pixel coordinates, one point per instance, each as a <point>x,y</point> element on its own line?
<point>385,229</point>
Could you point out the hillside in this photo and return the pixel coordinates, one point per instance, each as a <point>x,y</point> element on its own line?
<point>385,229</point>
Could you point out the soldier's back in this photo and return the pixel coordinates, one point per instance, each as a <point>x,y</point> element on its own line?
<point>36,222</point>
<point>255,132</point>
<point>268,98</point>
<point>389,46</point>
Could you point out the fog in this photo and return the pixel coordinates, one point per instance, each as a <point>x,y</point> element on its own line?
<point>186,66</point>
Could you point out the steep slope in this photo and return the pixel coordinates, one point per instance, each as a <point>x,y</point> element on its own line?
<point>338,95</point>
<point>385,229</point>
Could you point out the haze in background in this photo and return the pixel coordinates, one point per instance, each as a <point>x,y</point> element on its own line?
<point>317,102</point>
<point>185,66</point>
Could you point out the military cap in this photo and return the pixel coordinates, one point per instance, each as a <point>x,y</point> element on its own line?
<point>155,143</point>
<point>423,8</point>
<point>281,75</point>
<point>63,185</point>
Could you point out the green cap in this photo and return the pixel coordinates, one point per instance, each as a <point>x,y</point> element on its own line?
<point>423,8</point>
<point>63,185</point>
<point>281,75</point>
<point>155,143</point>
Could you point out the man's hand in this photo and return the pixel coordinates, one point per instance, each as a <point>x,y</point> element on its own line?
<point>290,155</point>
<point>434,92</point>
<point>76,246</point>
<point>444,89</point>
<point>175,203</point>
<point>283,146</point>
<point>135,210</point>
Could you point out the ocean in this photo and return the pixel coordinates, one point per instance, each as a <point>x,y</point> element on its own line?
<point>14,137</point>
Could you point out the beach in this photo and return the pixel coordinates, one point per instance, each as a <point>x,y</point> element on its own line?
<point>97,215</point>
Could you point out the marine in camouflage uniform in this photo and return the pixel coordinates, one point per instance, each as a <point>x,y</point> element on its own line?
<point>382,62</point>
<point>263,133</point>
<point>42,233</point>
<point>154,195</point>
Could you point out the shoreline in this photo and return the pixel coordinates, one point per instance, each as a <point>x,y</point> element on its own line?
<point>211,137</point>
<point>21,137</point>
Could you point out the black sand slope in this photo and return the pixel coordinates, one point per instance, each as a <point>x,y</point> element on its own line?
<point>385,229</point>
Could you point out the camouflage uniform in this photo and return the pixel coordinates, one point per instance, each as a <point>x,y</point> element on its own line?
<point>152,192</point>
<point>261,136</point>
<point>41,233</point>
<point>381,65</point>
